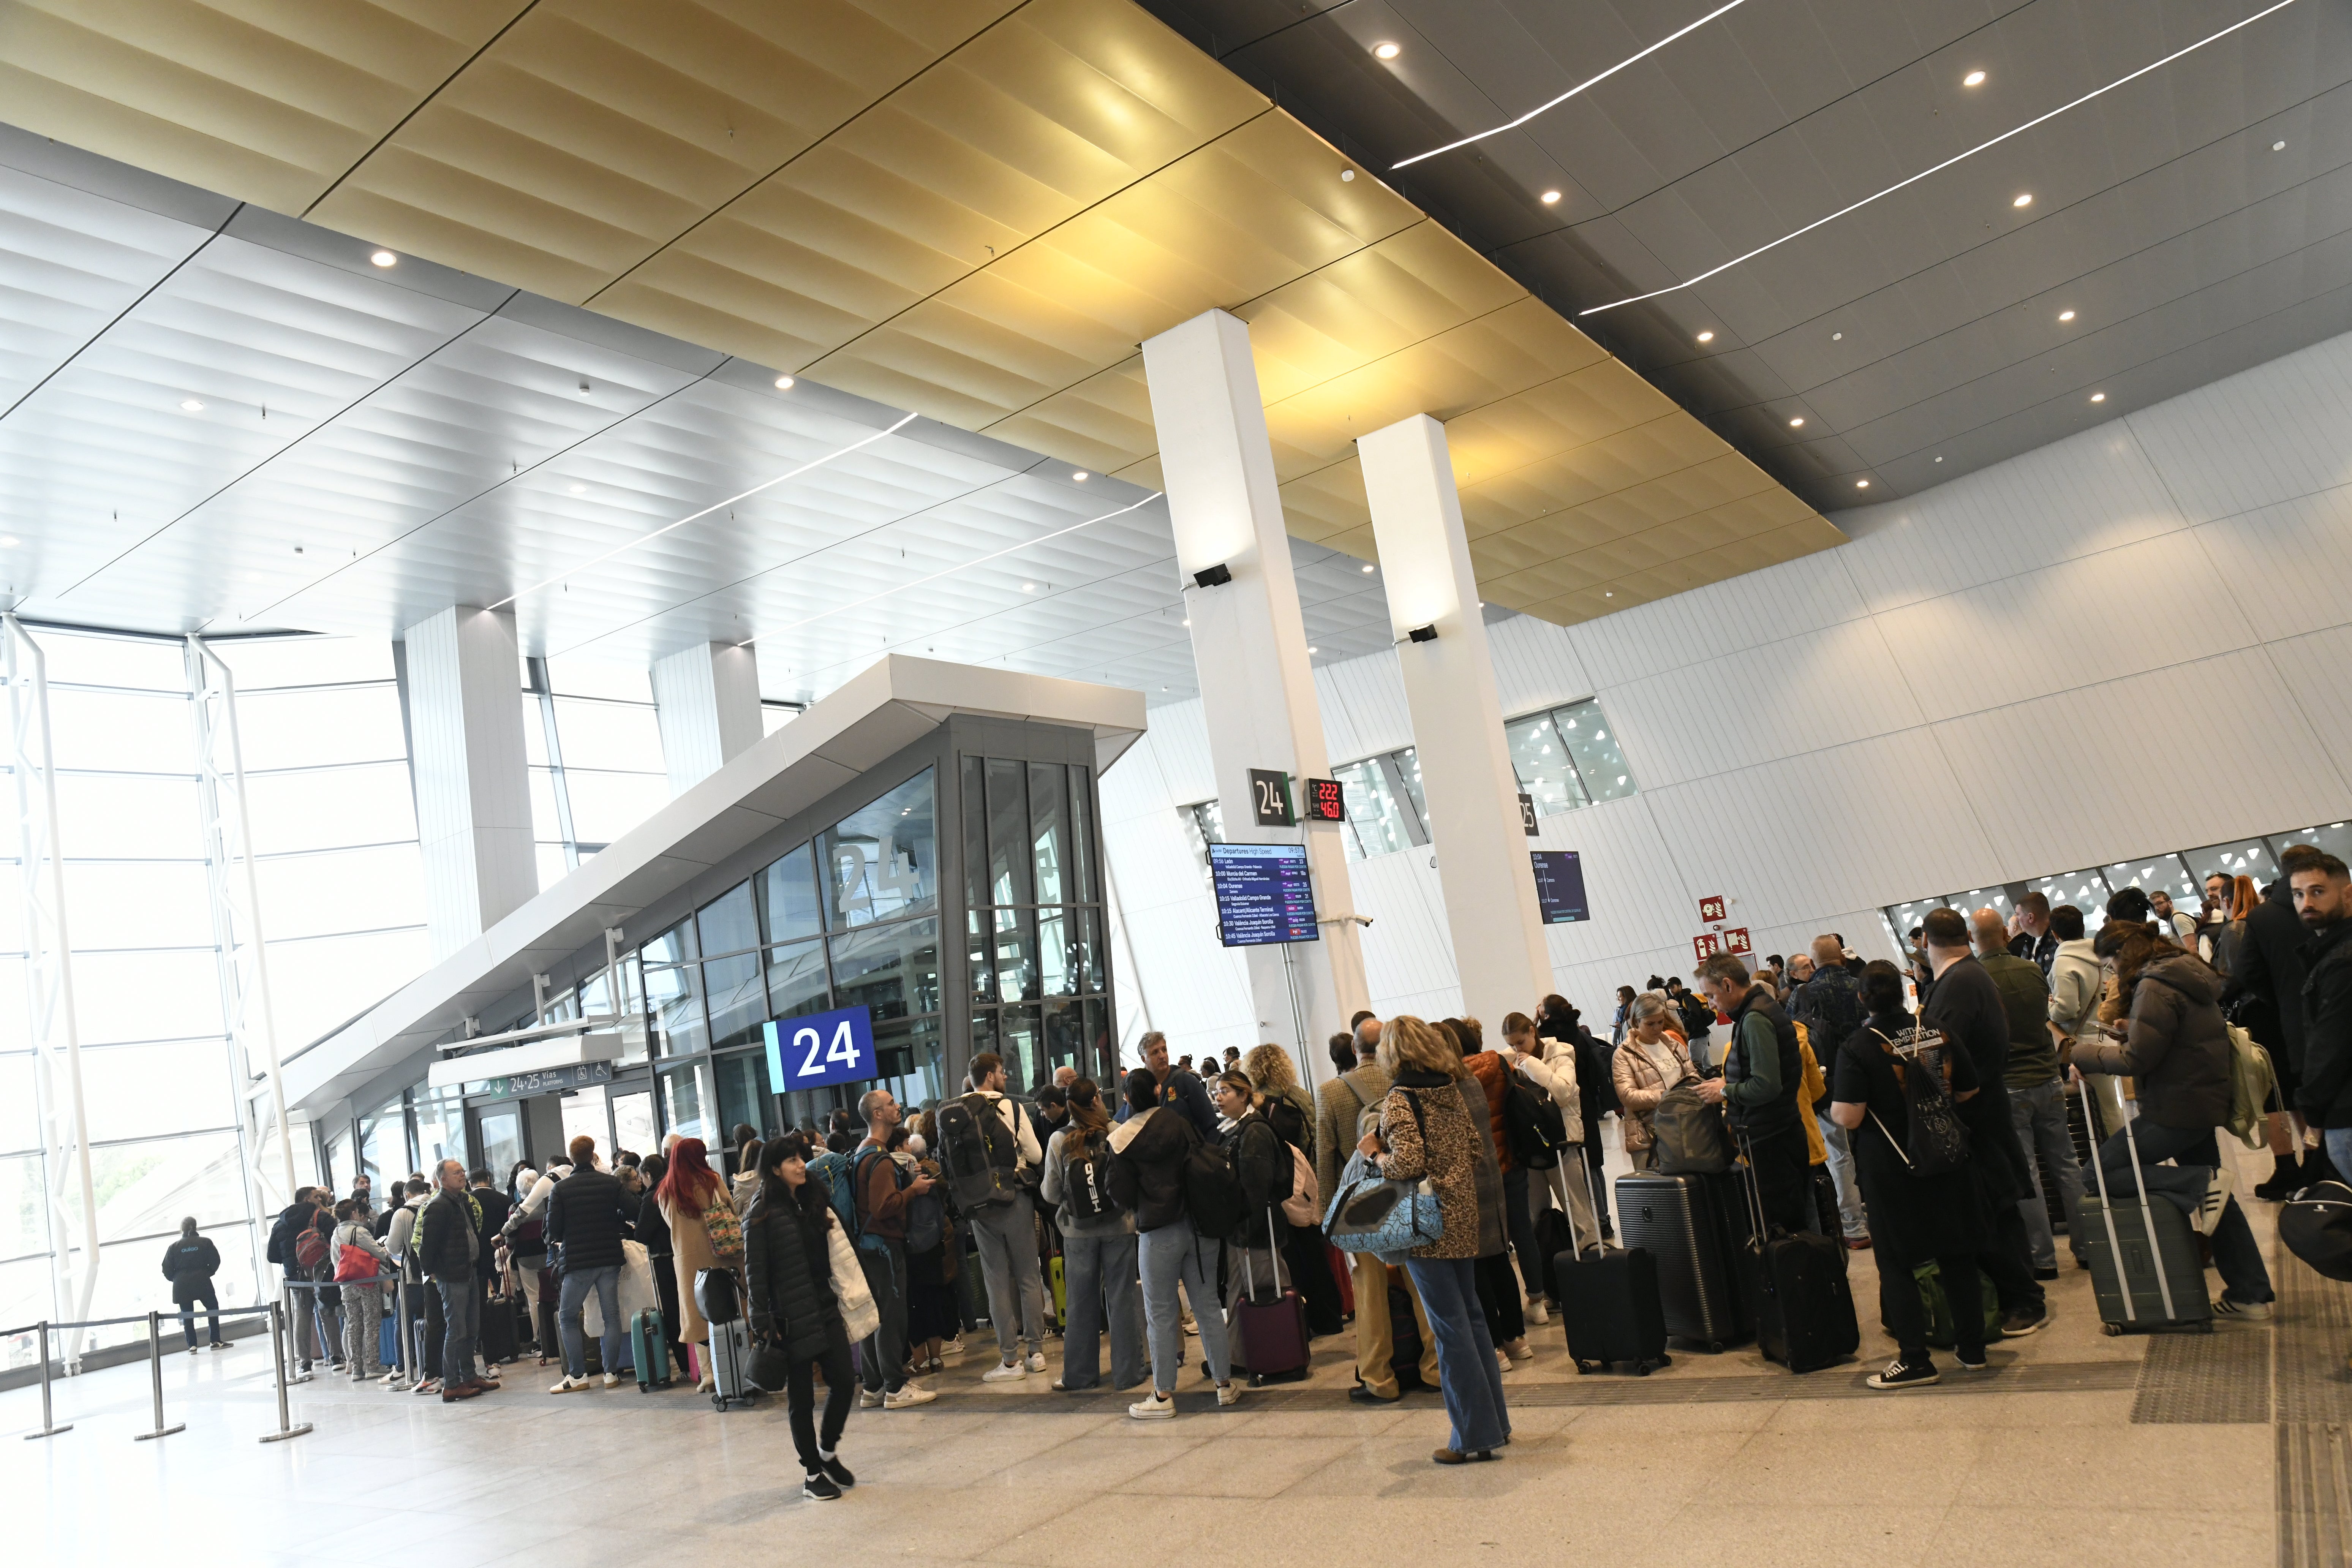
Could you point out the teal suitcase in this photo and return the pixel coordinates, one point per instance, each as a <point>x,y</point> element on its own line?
<point>649,1351</point>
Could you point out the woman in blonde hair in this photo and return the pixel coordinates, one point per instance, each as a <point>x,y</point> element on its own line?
<point>1290,1111</point>
<point>1425,1131</point>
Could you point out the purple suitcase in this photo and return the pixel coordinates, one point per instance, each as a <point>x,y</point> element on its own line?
<point>1273,1332</point>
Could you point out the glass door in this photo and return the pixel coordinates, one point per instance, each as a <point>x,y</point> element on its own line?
<point>633,1122</point>
<point>498,1134</point>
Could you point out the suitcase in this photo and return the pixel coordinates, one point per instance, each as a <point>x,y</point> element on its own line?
<point>649,1351</point>
<point>498,1346</point>
<point>2316,1227</point>
<point>387,1341</point>
<point>1795,1290</point>
<point>730,1365</point>
<point>1343,1272</point>
<point>1057,1283</point>
<point>1609,1302</point>
<point>1825,1205</point>
<point>1273,1332</point>
<point>1404,1338</point>
<point>1680,1221</point>
<point>1555,1235</point>
<point>2146,1269</point>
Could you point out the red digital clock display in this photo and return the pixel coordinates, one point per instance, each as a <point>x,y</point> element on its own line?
<point>1326,801</point>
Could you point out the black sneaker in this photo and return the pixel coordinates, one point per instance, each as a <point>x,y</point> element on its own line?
<point>838,1471</point>
<point>2024,1320</point>
<point>1968,1365</point>
<point>819,1488</point>
<point>1901,1374</point>
<point>2045,1274</point>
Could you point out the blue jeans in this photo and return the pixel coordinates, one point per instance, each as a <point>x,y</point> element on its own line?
<point>1849,1196</point>
<point>2038,1115</point>
<point>1175,1253</point>
<point>2339,1143</point>
<point>2236,1254</point>
<point>461,1320</point>
<point>571,1314</point>
<point>1094,1267</point>
<point>1466,1373</point>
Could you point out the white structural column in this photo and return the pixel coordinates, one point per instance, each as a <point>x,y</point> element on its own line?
<point>473,786</point>
<point>1457,722</point>
<point>707,699</point>
<point>1249,645</point>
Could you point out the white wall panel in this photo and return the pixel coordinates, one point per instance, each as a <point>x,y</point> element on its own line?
<point>1636,893</point>
<point>2317,671</point>
<point>1534,666</point>
<point>2265,436</point>
<point>1718,621</point>
<point>1364,706</point>
<point>2290,566</point>
<point>2096,618</point>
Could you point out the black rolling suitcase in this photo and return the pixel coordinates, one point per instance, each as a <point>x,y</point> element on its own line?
<point>1680,1221</point>
<point>1609,1302</point>
<point>1795,1290</point>
<point>2146,1269</point>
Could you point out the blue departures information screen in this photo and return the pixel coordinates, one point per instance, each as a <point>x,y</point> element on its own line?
<point>1559,887</point>
<point>1263,893</point>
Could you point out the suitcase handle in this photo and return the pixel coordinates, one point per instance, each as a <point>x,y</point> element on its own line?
<point>2147,1223</point>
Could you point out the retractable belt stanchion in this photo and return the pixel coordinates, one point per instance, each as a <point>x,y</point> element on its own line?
<point>50,1428</point>
<point>278,1327</point>
<point>293,1328</point>
<point>155,1379</point>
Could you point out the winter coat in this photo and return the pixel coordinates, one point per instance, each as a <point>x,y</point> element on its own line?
<point>1339,1106</point>
<point>190,1263</point>
<point>789,1275</point>
<point>1259,1158</point>
<point>1148,1154</point>
<point>2323,1001</point>
<point>587,1217</point>
<point>1640,1085</point>
<point>1494,1077</point>
<point>1442,1143</point>
<point>2177,1048</point>
<point>692,1253</point>
<point>1487,1168</point>
<point>450,1242</point>
<point>2270,964</point>
<point>2075,986</point>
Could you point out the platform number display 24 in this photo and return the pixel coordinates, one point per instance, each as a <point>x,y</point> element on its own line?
<point>819,1049</point>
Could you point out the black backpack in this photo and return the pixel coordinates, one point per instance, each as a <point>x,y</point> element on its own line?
<point>1289,1122</point>
<point>1212,1193</point>
<point>970,1135</point>
<point>1533,1124</point>
<point>1085,1182</point>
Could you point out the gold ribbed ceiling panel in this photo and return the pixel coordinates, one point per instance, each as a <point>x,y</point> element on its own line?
<point>266,100</point>
<point>976,211</point>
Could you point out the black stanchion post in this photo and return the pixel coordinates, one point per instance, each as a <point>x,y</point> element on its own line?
<point>155,1379</point>
<point>278,1327</point>
<point>50,1428</point>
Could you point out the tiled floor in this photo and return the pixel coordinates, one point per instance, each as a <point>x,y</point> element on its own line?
<point>1016,1474</point>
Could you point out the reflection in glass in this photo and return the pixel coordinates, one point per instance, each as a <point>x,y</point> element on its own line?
<point>1063,1038</point>
<point>501,1140</point>
<point>1082,836</point>
<point>1091,956</point>
<point>983,1031</point>
<point>908,1054</point>
<point>1017,955</point>
<point>743,1096</point>
<point>1598,758</point>
<point>1099,1064</point>
<point>1009,867</point>
<point>583,1110</point>
<point>2085,890</point>
<point>1046,801</point>
<point>1906,916</point>
<point>383,1144</point>
<point>2336,837</point>
<point>1057,952</point>
<point>633,1125</point>
<point>2156,873</point>
<point>670,994</point>
<point>738,1001</point>
<point>788,896</point>
<point>978,961</point>
<point>1016,1042</point>
<point>796,980</point>
<point>974,793</point>
<point>1378,822</point>
<point>684,1104</point>
<point>893,970</point>
<point>726,923</point>
<point>881,861</point>
<point>2247,858</point>
<point>441,1128</point>
<point>1994,898</point>
<point>1541,760</point>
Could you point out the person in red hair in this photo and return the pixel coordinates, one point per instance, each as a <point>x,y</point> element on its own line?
<point>704,1234</point>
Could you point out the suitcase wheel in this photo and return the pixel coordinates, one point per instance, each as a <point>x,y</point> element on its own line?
<point>1641,1369</point>
<point>1715,1347</point>
<point>1583,1367</point>
<point>2111,1329</point>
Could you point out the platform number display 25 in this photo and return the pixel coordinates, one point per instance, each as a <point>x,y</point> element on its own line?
<point>819,1049</point>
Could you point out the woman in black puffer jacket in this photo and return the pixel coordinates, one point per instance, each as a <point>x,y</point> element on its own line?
<point>792,1307</point>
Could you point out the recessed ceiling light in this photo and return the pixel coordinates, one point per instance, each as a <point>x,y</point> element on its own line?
<point>1549,197</point>
<point>2278,147</point>
<point>1080,476</point>
<point>1607,594</point>
<point>1346,175</point>
<point>2098,398</point>
<point>384,258</point>
<point>1028,587</point>
<point>1939,459</point>
<point>1187,620</point>
<point>1387,51</point>
<point>580,489</point>
<point>2023,199</point>
<point>1837,337</point>
<point>191,405</point>
<point>2065,315</point>
<point>1974,78</point>
<point>1707,337</point>
<point>784,383</point>
<point>1314,651</point>
<point>8,541</point>
<point>1798,423</point>
<point>1862,484</point>
<point>1367,566</point>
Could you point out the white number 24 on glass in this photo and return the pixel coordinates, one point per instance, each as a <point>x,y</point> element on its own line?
<point>844,1048</point>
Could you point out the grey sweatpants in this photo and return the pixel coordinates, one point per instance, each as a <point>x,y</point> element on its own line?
<point>362,1347</point>
<point>1006,1237</point>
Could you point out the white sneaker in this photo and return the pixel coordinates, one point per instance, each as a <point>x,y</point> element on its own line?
<point>1037,1360</point>
<point>2217,1195</point>
<point>908,1396</point>
<point>612,1379</point>
<point>1002,1373</point>
<point>1502,1361</point>
<point>1157,1406</point>
<point>1227,1394</point>
<point>570,1385</point>
<point>1537,1312</point>
<point>952,1347</point>
<point>869,1399</point>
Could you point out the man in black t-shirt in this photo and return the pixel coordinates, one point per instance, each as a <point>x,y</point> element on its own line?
<point>1965,1005</point>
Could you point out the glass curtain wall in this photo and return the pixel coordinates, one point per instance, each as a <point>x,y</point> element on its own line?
<point>1035,928</point>
<point>595,754</point>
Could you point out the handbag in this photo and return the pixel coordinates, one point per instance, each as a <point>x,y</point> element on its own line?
<point>718,1295</point>
<point>771,1367</point>
<point>1371,1213</point>
<point>723,1225</point>
<point>859,1315</point>
<point>1688,1136</point>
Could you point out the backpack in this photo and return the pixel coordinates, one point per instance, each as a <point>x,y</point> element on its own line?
<point>1533,1125</point>
<point>1086,1184</point>
<point>1289,1122</point>
<point>2253,1082</point>
<point>859,1164</point>
<point>832,1174</point>
<point>927,1221</point>
<point>979,1151</point>
<point>309,1246</point>
<point>1697,1013</point>
<point>1212,1193</point>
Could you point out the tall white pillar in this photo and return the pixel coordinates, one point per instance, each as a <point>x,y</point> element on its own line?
<point>1457,722</point>
<point>473,783</point>
<point>1249,645</point>
<point>707,699</point>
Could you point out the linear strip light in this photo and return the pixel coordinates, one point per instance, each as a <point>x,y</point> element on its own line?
<point>706,512</point>
<point>2158,65</point>
<point>964,566</point>
<point>1579,87</point>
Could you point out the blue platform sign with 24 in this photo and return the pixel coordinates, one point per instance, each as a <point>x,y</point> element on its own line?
<point>819,1049</point>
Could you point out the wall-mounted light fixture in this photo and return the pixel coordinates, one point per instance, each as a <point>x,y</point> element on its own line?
<point>1214,576</point>
<point>1423,634</point>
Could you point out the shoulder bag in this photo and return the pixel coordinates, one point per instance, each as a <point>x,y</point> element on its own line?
<point>1369,1213</point>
